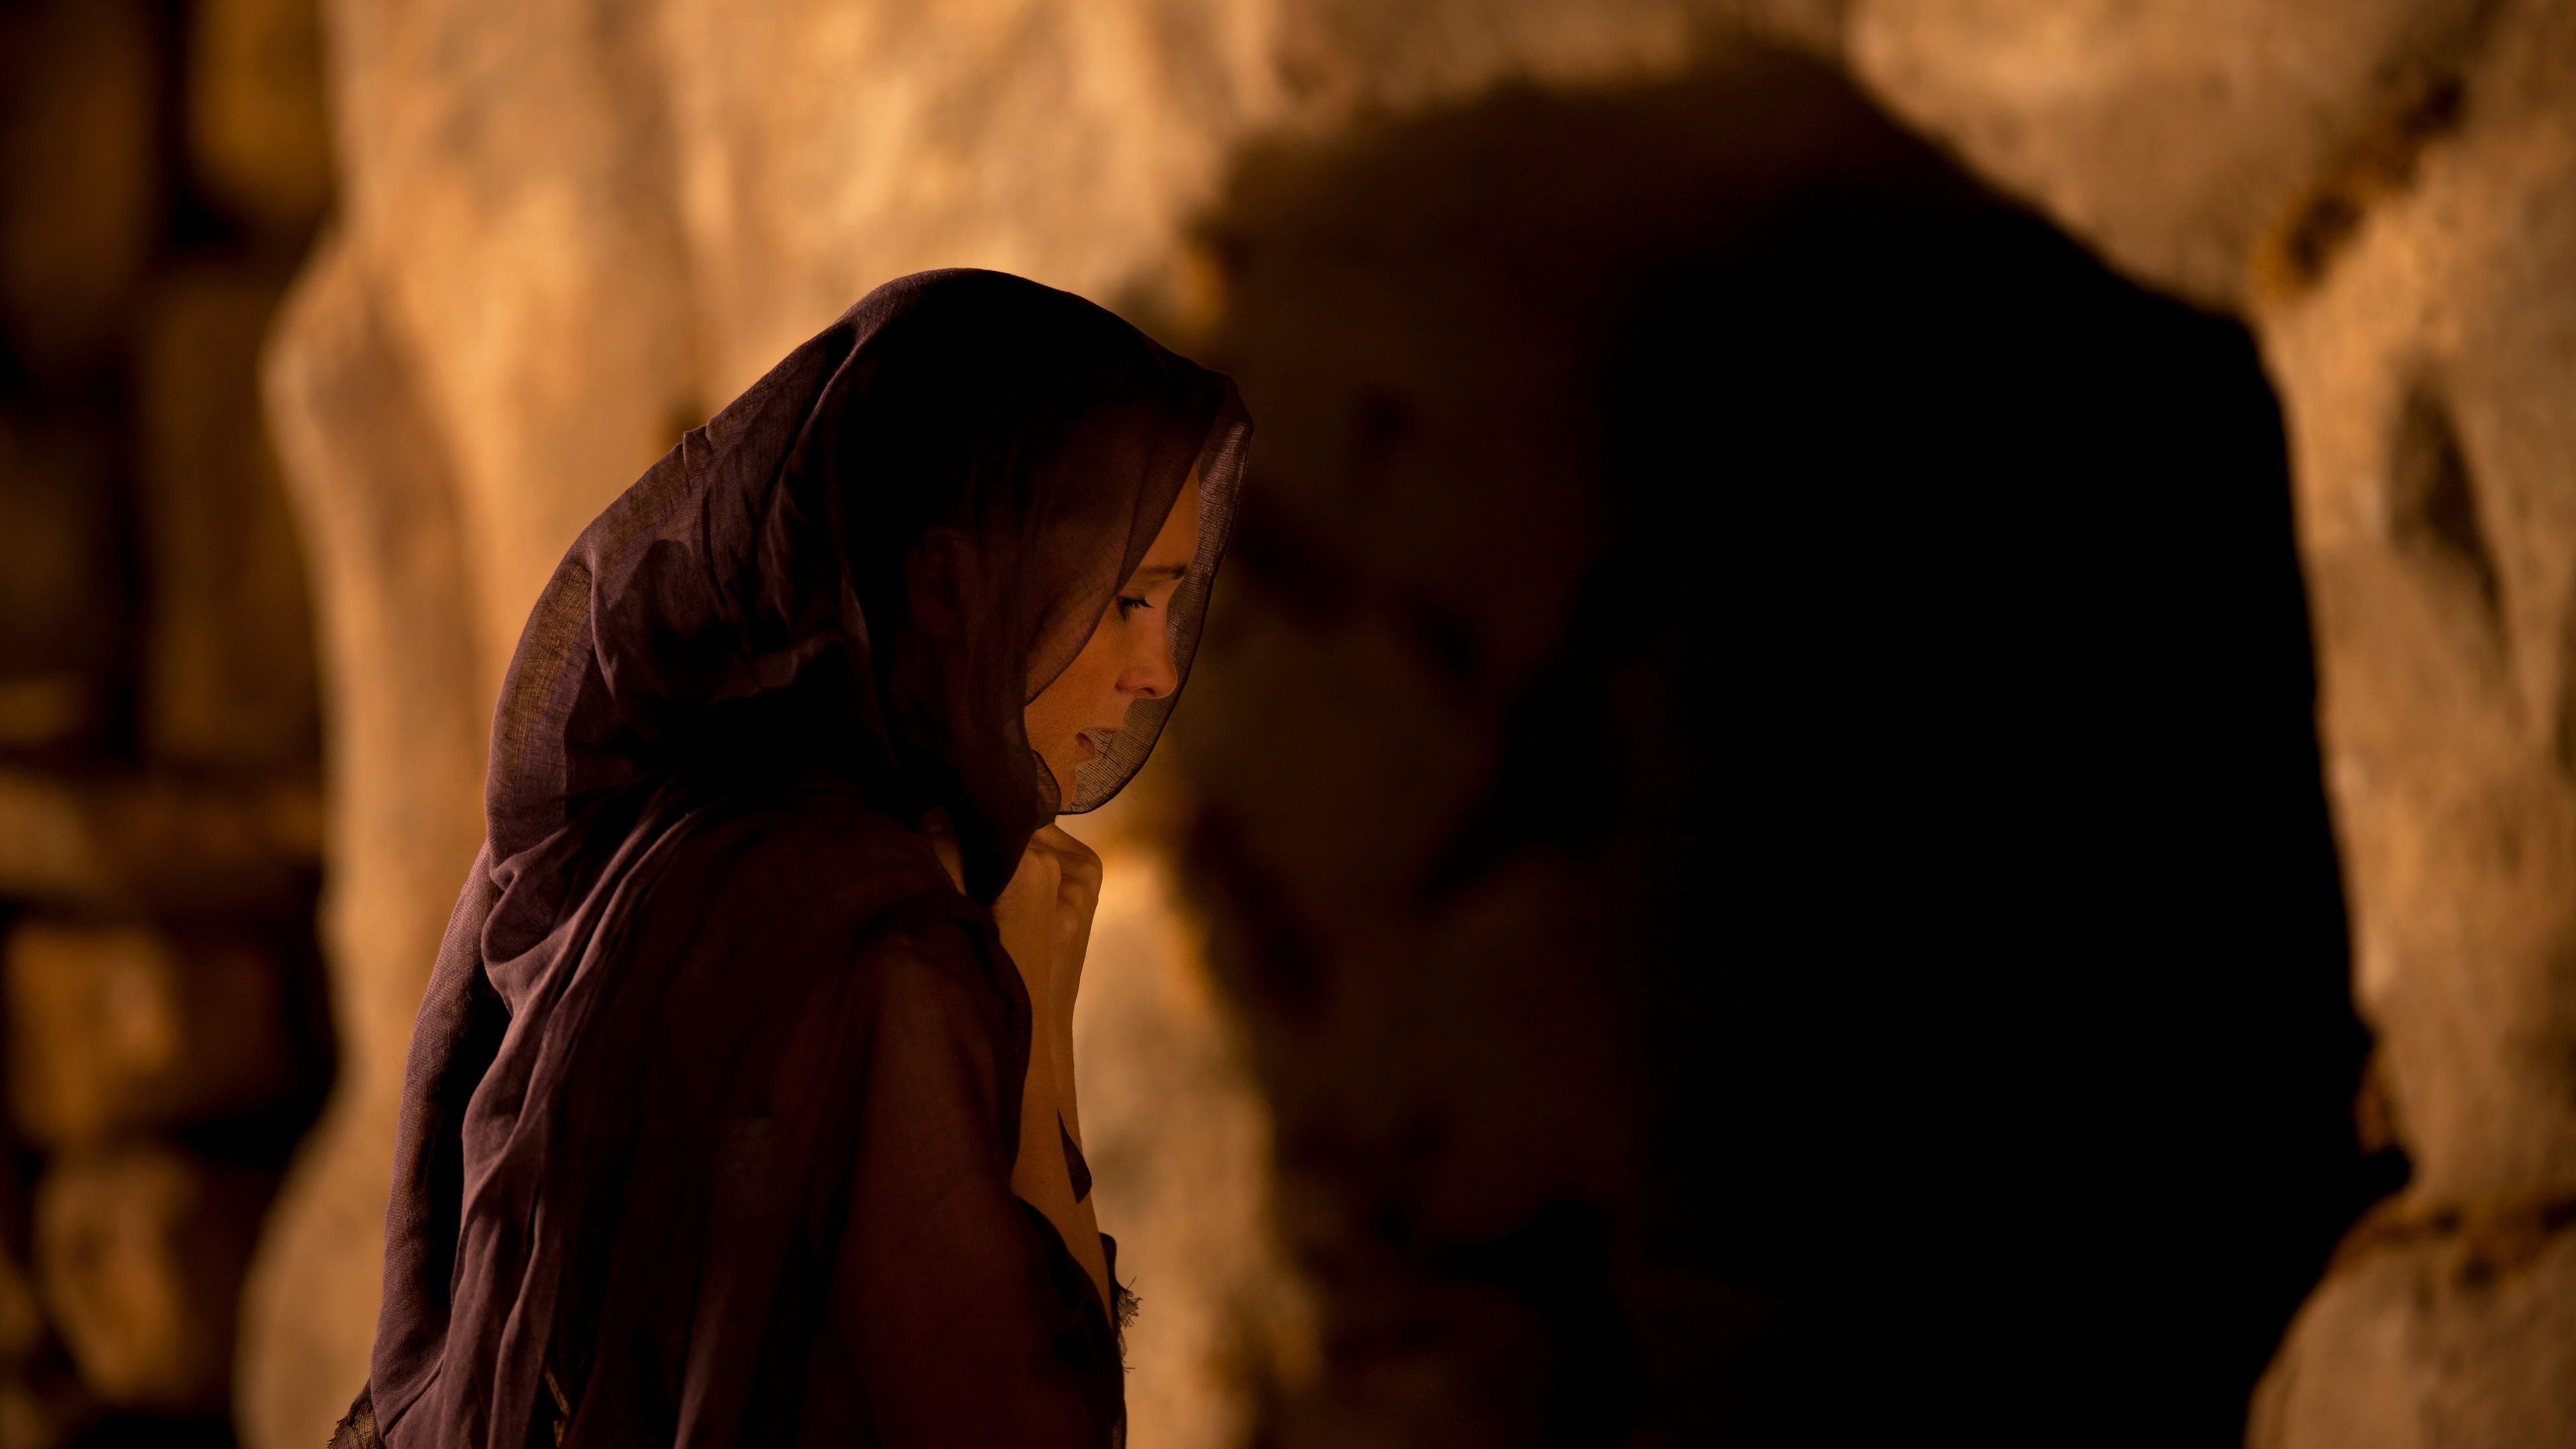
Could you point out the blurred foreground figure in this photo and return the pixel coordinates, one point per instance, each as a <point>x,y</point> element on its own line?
<point>740,1107</point>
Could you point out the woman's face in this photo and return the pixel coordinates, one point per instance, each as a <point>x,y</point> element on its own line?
<point>1127,658</point>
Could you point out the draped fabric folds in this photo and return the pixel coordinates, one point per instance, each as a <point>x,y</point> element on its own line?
<point>708,1120</point>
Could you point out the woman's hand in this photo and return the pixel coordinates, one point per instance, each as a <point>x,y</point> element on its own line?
<point>1044,918</point>
<point>1077,897</point>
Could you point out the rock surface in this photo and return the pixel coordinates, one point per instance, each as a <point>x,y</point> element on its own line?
<point>2171,134</point>
<point>2425,367</point>
<point>2424,378</point>
<point>2458,1334</point>
<point>378,510</point>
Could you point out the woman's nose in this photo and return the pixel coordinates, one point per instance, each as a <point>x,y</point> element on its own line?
<point>1150,675</point>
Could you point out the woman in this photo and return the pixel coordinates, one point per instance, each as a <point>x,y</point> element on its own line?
<point>740,1108</point>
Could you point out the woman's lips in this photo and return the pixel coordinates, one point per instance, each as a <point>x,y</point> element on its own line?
<point>1085,747</point>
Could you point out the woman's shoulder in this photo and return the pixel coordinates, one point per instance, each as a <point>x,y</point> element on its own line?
<point>823,903</point>
<point>799,861</point>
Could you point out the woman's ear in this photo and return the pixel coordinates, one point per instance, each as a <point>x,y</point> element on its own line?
<point>941,572</point>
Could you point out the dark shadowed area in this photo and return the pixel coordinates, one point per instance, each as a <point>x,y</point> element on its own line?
<point>1754,776</point>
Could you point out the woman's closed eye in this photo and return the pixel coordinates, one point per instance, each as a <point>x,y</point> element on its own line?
<point>1146,583</point>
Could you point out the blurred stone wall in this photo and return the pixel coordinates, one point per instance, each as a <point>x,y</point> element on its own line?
<point>162,168</point>
<point>568,231</point>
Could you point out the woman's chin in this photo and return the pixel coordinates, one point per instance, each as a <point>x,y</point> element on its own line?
<point>1065,765</point>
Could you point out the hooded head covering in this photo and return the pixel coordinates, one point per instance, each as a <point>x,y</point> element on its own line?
<point>742,616</point>
<point>747,599</point>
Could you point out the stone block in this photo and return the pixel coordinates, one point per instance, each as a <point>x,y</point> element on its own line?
<point>42,1405</point>
<point>141,843</point>
<point>22,1323</point>
<point>80,173</point>
<point>140,1251</point>
<point>257,135</point>
<point>118,1027</point>
<point>228,638</point>
<point>61,581</point>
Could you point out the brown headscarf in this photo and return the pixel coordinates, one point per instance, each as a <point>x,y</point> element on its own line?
<point>739,618</point>
<point>749,594</point>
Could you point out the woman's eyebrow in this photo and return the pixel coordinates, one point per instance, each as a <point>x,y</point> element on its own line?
<point>1158,572</point>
